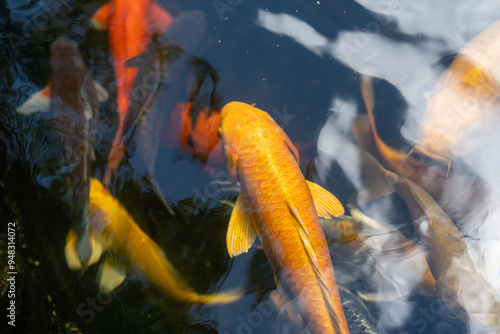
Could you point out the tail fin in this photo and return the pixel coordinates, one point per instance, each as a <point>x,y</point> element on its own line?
<point>80,254</point>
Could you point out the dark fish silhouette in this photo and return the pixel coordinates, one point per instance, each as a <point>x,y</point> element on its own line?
<point>73,96</point>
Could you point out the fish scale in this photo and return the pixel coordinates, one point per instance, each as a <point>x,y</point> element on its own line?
<point>271,178</point>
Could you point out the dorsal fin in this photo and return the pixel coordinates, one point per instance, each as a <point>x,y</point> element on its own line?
<point>311,254</point>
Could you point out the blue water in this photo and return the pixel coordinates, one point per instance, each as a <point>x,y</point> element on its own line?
<point>301,62</point>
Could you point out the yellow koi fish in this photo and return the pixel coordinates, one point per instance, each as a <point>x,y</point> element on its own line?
<point>113,229</point>
<point>280,207</point>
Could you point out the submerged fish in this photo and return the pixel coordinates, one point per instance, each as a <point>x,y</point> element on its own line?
<point>194,128</point>
<point>462,206</point>
<point>73,96</point>
<point>460,280</point>
<point>113,229</point>
<point>186,91</point>
<point>394,159</point>
<point>280,207</point>
<point>358,316</point>
<point>464,110</point>
<point>369,248</point>
<point>131,25</point>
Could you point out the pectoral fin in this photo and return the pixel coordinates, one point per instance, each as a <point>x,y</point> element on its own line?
<point>383,296</point>
<point>360,217</point>
<point>160,19</point>
<point>111,275</point>
<point>137,61</point>
<point>40,101</point>
<point>96,251</point>
<point>326,204</point>
<point>102,94</point>
<point>241,233</point>
<point>100,19</point>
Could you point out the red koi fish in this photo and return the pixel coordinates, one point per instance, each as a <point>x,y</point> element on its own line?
<point>194,130</point>
<point>131,25</point>
<point>280,207</point>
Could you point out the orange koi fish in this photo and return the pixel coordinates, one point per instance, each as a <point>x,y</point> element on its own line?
<point>394,159</point>
<point>113,229</point>
<point>193,129</point>
<point>131,25</point>
<point>280,207</point>
<point>464,108</point>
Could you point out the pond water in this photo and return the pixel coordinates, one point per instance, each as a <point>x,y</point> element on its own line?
<point>305,63</point>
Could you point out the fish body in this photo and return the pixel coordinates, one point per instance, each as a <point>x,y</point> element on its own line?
<point>460,278</point>
<point>377,250</point>
<point>394,159</point>
<point>276,204</point>
<point>131,26</point>
<point>175,81</point>
<point>75,103</point>
<point>464,110</point>
<point>358,315</point>
<point>112,229</point>
<point>74,97</point>
<point>196,137</point>
<point>434,179</point>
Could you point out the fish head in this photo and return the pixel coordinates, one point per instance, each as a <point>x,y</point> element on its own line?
<point>242,129</point>
<point>68,68</point>
<point>239,116</point>
<point>240,124</point>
